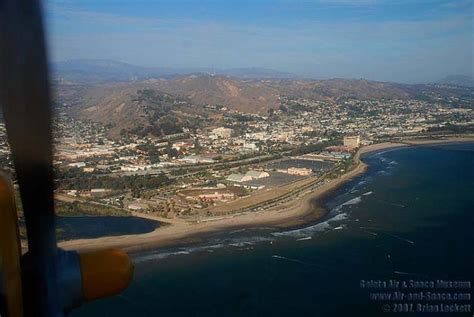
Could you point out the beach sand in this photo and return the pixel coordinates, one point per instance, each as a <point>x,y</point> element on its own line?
<point>291,214</point>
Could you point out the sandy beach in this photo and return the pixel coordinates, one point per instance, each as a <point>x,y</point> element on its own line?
<point>291,214</point>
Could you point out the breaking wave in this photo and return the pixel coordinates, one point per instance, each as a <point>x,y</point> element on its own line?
<point>157,256</point>
<point>304,239</point>
<point>233,239</point>
<point>289,259</point>
<point>241,244</point>
<point>334,215</point>
<point>304,232</point>
<point>353,201</point>
<point>339,217</point>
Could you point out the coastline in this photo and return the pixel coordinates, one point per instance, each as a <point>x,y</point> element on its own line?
<point>298,212</point>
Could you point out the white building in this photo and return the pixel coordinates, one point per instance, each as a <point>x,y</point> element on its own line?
<point>77,164</point>
<point>257,174</point>
<point>250,146</point>
<point>223,133</point>
<point>239,178</point>
<point>193,159</point>
<point>352,141</point>
<point>301,171</point>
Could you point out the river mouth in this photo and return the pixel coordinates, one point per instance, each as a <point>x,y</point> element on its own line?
<point>89,227</point>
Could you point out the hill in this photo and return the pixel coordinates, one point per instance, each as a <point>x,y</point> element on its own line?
<point>251,96</point>
<point>335,89</point>
<point>457,80</point>
<point>165,106</point>
<point>139,109</point>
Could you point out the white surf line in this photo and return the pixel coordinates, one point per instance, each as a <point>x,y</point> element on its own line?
<point>289,259</point>
<point>402,273</point>
<point>393,204</point>
<point>388,234</point>
<point>305,238</point>
<point>412,274</point>
<point>367,228</point>
<point>399,238</point>
<point>237,231</point>
<point>370,232</point>
<point>364,229</point>
<point>327,269</point>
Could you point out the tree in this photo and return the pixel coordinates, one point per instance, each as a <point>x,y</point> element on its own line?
<point>153,154</point>
<point>197,146</point>
<point>154,157</point>
<point>136,193</point>
<point>172,152</point>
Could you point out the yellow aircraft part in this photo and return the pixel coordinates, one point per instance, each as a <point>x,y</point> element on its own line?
<point>10,251</point>
<point>104,273</point>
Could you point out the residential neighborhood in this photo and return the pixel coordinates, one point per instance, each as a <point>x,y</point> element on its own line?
<point>190,173</point>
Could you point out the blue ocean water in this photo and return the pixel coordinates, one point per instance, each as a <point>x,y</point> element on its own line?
<point>410,217</point>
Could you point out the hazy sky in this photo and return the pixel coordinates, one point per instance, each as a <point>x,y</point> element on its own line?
<point>392,40</point>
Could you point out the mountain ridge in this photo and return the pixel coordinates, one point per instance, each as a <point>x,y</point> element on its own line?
<point>103,71</point>
<point>117,104</point>
<point>457,80</point>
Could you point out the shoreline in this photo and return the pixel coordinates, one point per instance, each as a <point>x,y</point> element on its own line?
<point>305,209</point>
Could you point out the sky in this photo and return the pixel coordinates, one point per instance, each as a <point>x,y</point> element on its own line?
<point>407,41</point>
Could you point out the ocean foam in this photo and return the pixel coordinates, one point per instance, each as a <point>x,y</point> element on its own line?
<point>240,244</point>
<point>304,239</point>
<point>304,232</point>
<point>237,231</point>
<point>353,201</point>
<point>370,232</point>
<point>338,217</point>
<point>383,173</point>
<point>399,238</point>
<point>288,259</point>
<point>392,204</point>
<point>158,256</point>
<point>335,215</point>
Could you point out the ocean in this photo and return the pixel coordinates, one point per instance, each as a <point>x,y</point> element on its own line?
<point>409,219</point>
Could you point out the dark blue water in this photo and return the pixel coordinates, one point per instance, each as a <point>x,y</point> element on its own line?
<point>82,227</point>
<point>409,218</point>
